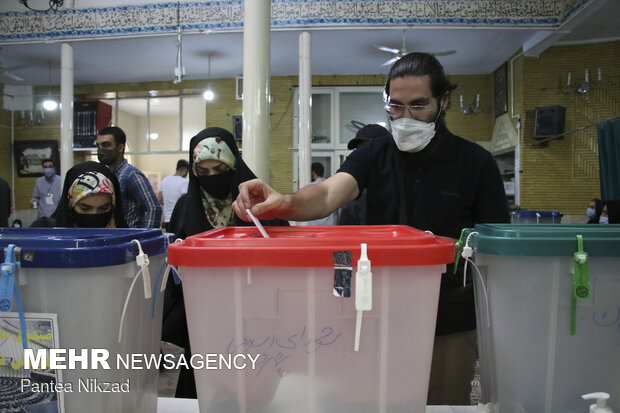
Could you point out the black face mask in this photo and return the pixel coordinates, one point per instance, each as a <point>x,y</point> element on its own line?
<point>92,220</point>
<point>219,185</point>
<point>106,156</point>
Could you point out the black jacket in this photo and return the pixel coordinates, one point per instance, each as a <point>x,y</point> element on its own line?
<point>450,185</point>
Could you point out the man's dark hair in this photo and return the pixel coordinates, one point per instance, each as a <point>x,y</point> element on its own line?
<point>420,64</point>
<point>182,164</point>
<point>48,160</point>
<point>119,135</point>
<point>318,168</point>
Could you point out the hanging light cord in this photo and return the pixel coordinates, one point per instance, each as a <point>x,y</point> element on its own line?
<point>54,5</point>
<point>209,74</point>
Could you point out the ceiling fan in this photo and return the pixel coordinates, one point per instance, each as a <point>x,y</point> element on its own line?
<point>398,53</point>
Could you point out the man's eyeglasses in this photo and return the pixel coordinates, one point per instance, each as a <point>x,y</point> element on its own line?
<point>396,110</point>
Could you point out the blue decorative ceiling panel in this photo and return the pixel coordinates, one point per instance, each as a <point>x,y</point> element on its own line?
<point>151,19</point>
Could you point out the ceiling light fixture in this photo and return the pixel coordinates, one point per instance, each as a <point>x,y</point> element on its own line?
<point>208,94</point>
<point>49,103</point>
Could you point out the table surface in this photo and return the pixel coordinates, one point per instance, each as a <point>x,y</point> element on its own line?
<point>170,405</point>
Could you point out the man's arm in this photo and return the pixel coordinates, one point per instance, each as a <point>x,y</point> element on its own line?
<point>310,202</point>
<point>141,188</point>
<point>35,193</point>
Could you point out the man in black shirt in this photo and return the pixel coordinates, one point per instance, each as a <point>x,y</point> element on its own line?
<point>422,176</point>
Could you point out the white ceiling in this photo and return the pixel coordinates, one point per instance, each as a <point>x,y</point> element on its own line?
<point>334,51</point>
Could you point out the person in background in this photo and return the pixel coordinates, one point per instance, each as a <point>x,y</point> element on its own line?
<point>17,223</point>
<point>317,172</point>
<point>216,171</point>
<point>5,203</point>
<point>354,213</point>
<point>594,211</point>
<point>604,218</point>
<point>140,204</point>
<point>47,189</point>
<point>423,176</point>
<point>91,198</point>
<point>171,189</point>
<point>610,213</point>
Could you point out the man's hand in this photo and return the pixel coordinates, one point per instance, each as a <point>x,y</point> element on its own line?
<point>310,202</point>
<point>262,200</point>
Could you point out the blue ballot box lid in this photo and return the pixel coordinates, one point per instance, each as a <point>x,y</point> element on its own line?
<point>80,247</point>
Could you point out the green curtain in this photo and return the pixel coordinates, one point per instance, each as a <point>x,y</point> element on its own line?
<point>609,158</point>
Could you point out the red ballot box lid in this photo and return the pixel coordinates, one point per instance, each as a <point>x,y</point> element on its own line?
<point>312,246</point>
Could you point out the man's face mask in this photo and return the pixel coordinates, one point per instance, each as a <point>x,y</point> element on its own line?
<point>413,135</point>
<point>590,212</point>
<point>92,220</point>
<point>106,156</point>
<point>219,185</point>
<point>49,172</point>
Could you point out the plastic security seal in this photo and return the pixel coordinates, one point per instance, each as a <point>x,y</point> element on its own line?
<point>143,262</point>
<point>7,281</point>
<point>601,402</point>
<point>8,289</point>
<point>581,281</point>
<point>363,292</point>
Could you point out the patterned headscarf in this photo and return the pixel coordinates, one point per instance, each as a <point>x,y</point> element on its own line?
<point>219,212</point>
<point>213,148</point>
<point>89,183</point>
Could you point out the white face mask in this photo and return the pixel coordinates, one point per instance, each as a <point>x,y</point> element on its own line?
<point>412,135</point>
<point>603,220</point>
<point>590,212</point>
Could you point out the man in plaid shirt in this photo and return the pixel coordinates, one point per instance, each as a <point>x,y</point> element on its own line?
<point>140,205</point>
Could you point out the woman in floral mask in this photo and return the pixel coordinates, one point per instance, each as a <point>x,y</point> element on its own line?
<point>216,170</point>
<point>90,198</point>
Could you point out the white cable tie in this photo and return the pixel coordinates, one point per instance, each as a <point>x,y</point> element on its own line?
<point>133,283</point>
<point>484,291</point>
<point>467,253</point>
<point>358,330</point>
<point>143,262</point>
<point>164,281</point>
<point>363,292</point>
<point>169,267</point>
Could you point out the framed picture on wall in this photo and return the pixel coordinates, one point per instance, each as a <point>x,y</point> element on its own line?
<point>30,154</point>
<point>500,90</point>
